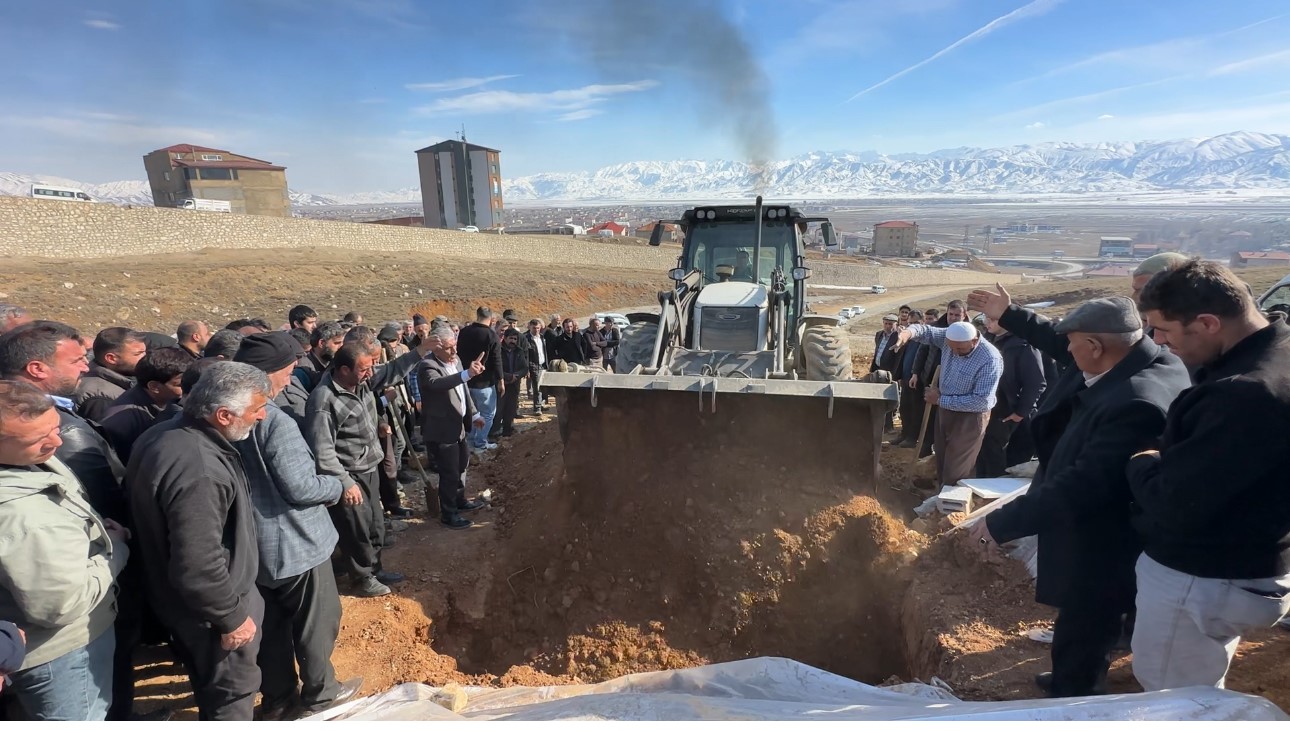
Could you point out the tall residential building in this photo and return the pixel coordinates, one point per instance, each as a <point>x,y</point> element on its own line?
<point>249,185</point>
<point>461,185</point>
<point>895,238</point>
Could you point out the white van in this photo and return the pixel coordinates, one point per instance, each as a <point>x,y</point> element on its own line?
<point>58,193</point>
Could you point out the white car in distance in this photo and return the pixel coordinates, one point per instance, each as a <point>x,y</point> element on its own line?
<point>877,289</point>
<point>469,229</point>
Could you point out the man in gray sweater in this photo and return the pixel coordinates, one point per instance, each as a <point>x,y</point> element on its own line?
<point>341,427</point>
<point>296,539</point>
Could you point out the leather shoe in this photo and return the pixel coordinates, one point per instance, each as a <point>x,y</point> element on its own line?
<point>348,690</point>
<point>370,586</point>
<point>390,577</point>
<point>1045,682</point>
<point>401,512</point>
<point>470,505</point>
<point>456,522</point>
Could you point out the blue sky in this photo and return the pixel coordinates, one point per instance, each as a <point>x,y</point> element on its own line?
<point>343,92</point>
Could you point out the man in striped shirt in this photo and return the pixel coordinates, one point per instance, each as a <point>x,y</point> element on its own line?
<point>970,373</point>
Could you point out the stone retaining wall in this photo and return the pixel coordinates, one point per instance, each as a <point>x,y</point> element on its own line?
<point>40,228</point>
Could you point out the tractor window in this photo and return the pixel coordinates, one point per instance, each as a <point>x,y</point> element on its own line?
<point>731,243</point>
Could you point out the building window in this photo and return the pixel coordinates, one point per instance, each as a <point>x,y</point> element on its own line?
<point>218,174</point>
<point>213,158</point>
<point>190,174</point>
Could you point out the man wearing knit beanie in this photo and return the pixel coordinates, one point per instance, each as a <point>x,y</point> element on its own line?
<point>296,539</point>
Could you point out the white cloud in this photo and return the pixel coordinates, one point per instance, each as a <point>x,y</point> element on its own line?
<point>1106,116</point>
<point>90,127</point>
<point>1036,125</point>
<point>469,82</point>
<point>1269,59</point>
<point>102,24</point>
<point>563,100</point>
<point>578,114</point>
<point>1029,10</point>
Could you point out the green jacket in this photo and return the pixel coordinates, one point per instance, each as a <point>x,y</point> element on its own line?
<point>58,565</point>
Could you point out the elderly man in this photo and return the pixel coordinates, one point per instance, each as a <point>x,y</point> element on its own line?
<point>1212,512</point>
<point>296,539</point>
<point>970,372</point>
<point>884,345</point>
<point>59,561</point>
<point>196,533</point>
<point>1152,266</point>
<point>1109,405</point>
<point>447,415</point>
<point>117,350</point>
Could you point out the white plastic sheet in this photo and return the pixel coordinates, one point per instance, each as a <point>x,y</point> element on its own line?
<point>776,689</point>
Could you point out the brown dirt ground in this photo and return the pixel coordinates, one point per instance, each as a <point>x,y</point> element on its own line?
<point>157,292</point>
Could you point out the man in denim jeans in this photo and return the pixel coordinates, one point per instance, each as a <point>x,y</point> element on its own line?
<point>485,389</point>
<point>60,561</point>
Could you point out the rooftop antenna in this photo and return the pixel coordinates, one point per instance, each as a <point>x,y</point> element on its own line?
<point>463,132</point>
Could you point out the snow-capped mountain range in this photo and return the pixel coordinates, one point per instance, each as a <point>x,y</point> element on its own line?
<point>1239,160</point>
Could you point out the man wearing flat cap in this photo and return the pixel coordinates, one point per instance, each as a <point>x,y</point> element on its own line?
<point>970,373</point>
<point>1111,404</point>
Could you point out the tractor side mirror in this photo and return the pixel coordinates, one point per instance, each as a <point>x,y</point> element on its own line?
<point>801,273</point>
<point>826,230</point>
<point>676,274</point>
<point>656,236</point>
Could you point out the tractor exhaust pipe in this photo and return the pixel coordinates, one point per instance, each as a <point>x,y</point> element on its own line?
<point>756,262</point>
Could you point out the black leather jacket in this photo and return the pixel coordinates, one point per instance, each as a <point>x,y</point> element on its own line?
<point>89,456</point>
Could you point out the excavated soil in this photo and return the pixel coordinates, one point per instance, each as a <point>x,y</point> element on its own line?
<point>648,567</point>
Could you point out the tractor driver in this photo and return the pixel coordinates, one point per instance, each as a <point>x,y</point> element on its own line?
<point>743,267</point>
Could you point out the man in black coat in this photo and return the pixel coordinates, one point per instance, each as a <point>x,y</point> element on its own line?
<point>1211,504</point>
<point>447,416</point>
<point>487,388</point>
<point>571,345</point>
<point>195,527</point>
<point>885,356</point>
<point>1018,393</point>
<point>1110,405</point>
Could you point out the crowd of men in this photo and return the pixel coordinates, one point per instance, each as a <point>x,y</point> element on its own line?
<point>1159,425</point>
<point>216,491</point>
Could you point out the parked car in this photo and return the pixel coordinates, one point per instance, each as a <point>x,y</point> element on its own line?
<point>469,229</point>
<point>618,319</point>
<point>877,289</point>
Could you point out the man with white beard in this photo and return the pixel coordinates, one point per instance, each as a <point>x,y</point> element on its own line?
<point>196,533</point>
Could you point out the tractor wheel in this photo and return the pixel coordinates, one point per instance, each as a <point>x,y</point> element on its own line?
<point>637,347</point>
<point>824,355</point>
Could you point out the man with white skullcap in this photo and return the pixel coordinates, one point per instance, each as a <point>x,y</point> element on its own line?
<point>970,373</point>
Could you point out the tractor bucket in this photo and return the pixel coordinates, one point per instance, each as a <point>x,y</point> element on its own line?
<point>708,428</point>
